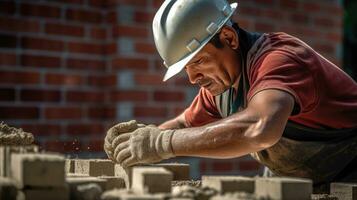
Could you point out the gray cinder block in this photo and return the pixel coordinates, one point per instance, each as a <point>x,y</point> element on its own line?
<point>345,191</point>
<point>113,182</point>
<point>279,188</point>
<point>38,170</point>
<point>46,194</point>
<point>5,156</point>
<point>227,184</point>
<point>180,171</point>
<point>94,167</point>
<point>69,166</point>
<point>151,180</point>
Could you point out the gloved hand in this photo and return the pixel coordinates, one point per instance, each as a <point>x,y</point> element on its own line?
<point>112,133</point>
<point>145,145</point>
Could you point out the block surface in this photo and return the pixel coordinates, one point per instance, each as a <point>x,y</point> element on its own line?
<point>8,189</point>
<point>45,194</point>
<point>5,156</point>
<point>113,182</point>
<point>83,188</point>
<point>180,171</point>
<point>38,170</point>
<point>94,167</point>
<point>346,191</point>
<point>283,188</point>
<point>70,166</point>
<point>151,180</point>
<point>125,174</point>
<point>227,184</point>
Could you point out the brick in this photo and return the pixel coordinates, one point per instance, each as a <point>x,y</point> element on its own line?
<point>130,63</point>
<point>39,129</point>
<point>19,112</point>
<point>85,129</point>
<point>143,17</point>
<point>63,146</point>
<point>169,96</point>
<point>40,61</point>
<point>346,191</point>
<point>222,166</point>
<point>41,44</point>
<point>149,111</point>
<point>69,166</point>
<point>61,193</point>
<point>146,48</point>
<point>111,48</point>
<point>85,96</point>
<point>101,112</point>
<point>7,7</point>
<point>289,4</point>
<point>40,95</point>
<point>63,113</point>
<point>19,77</point>
<point>64,79</point>
<point>64,29</point>
<point>98,33</point>
<point>102,80</point>
<point>8,41</point>
<point>38,170</point>
<point>7,59</point>
<point>19,25</point>
<point>130,95</point>
<point>7,94</point>
<point>83,15</point>
<point>95,146</point>
<point>283,188</point>
<point>8,189</point>
<point>40,10</point>
<point>179,171</point>
<point>249,165</point>
<point>85,64</point>
<point>148,79</point>
<point>151,180</point>
<point>113,182</point>
<point>6,153</point>
<point>130,31</point>
<point>86,47</point>
<point>229,184</point>
<point>94,167</point>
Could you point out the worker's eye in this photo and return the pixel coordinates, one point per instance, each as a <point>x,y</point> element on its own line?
<point>199,61</point>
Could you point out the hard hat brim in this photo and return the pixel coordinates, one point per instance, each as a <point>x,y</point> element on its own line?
<point>178,66</point>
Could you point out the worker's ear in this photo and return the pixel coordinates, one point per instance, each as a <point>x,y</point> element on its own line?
<point>229,36</point>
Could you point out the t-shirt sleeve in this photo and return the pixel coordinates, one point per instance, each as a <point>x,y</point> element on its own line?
<point>202,110</point>
<point>280,70</point>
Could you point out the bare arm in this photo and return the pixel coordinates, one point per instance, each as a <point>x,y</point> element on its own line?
<point>258,127</point>
<point>176,123</point>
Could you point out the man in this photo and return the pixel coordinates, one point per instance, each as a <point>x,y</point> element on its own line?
<point>268,95</point>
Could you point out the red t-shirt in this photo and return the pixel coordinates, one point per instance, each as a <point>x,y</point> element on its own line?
<point>326,96</point>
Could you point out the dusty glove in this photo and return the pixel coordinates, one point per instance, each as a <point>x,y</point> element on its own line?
<point>112,133</point>
<point>145,145</point>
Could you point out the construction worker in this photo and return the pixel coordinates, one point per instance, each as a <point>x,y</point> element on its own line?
<point>269,95</point>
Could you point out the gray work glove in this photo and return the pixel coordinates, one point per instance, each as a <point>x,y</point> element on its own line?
<point>145,145</point>
<point>115,131</point>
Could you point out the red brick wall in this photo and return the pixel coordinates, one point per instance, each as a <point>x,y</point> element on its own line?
<point>69,69</point>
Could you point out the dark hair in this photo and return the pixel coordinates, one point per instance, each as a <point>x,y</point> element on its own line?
<point>216,41</point>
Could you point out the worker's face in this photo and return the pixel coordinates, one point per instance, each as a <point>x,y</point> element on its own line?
<point>216,69</point>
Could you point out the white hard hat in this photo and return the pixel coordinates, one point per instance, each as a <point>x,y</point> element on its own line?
<point>182,28</point>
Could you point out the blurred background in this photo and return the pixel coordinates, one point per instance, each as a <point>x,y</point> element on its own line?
<point>70,69</point>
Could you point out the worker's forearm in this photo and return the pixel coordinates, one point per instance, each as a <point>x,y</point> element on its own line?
<point>231,137</point>
<point>176,123</point>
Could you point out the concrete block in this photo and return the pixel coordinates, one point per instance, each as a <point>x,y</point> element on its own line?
<point>121,194</point>
<point>85,188</point>
<point>226,184</point>
<point>69,166</point>
<point>94,167</point>
<point>8,189</point>
<point>5,156</point>
<point>151,180</point>
<point>345,191</point>
<point>283,188</point>
<point>125,174</point>
<point>113,182</point>
<point>180,171</point>
<point>38,170</point>
<point>46,194</point>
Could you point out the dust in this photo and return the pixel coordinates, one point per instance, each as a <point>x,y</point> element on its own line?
<point>14,136</point>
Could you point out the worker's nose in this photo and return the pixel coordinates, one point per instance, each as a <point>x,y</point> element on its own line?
<point>193,75</point>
